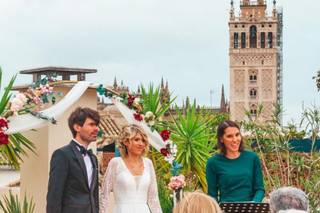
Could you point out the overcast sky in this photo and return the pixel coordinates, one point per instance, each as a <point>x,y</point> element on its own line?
<point>141,41</point>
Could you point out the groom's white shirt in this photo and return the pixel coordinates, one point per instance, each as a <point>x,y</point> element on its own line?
<point>87,162</point>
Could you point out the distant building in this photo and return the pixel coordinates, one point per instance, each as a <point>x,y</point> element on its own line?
<point>223,108</point>
<point>255,55</point>
<point>62,73</point>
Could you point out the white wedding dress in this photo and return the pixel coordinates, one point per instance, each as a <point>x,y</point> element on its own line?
<point>132,194</point>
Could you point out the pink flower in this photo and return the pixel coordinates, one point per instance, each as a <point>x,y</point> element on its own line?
<point>36,100</point>
<point>21,97</point>
<point>18,102</point>
<point>16,105</point>
<point>4,138</point>
<point>177,182</point>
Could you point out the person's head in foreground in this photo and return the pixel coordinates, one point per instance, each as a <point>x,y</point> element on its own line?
<point>292,211</point>
<point>286,198</point>
<point>197,202</point>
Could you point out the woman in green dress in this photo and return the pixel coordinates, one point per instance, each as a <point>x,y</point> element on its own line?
<point>234,175</point>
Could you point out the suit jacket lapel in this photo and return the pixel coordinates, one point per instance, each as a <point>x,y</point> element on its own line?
<point>80,161</point>
<point>94,172</point>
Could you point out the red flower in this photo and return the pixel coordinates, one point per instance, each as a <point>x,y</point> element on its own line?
<point>4,139</point>
<point>130,100</point>
<point>138,116</point>
<point>165,134</point>
<point>3,123</point>
<point>164,152</point>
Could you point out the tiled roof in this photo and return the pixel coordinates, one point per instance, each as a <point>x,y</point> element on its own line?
<point>109,126</point>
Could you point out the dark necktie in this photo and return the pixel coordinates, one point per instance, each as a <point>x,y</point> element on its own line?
<point>84,151</point>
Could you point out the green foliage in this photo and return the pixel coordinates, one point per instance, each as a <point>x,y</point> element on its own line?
<point>191,133</point>
<point>317,80</point>
<point>151,99</point>
<point>18,144</point>
<point>214,120</point>
<point>12,204</point>
<point>281,166</point>
<point>165,198</point>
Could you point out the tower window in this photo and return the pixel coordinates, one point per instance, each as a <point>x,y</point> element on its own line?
<point>253,110</point>
<point>243,40</point>
<point>269,39</point>
<point>235,40</point>
<point>253,93</point>
<point>253,37</point>
<point>253,76</point>
<point>263,40</point>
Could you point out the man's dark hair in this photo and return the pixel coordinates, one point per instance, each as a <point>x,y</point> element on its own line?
<point>220,132</point>
<point>79,116</point>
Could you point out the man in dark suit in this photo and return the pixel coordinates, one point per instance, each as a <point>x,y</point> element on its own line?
<point>73,179</point>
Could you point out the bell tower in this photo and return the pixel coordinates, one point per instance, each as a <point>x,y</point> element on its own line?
<point>255,59</point>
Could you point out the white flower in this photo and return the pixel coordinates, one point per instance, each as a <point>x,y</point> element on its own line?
<point>151,123</point>
<point>169,158</point>
<point>174,150</point>
<point>149,114</point>
<point>119,99</point>
<point>149,118</point>
<point>136,101</point>
<point>169,142</point>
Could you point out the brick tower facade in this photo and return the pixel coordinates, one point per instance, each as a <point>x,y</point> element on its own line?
<point>255,55</point>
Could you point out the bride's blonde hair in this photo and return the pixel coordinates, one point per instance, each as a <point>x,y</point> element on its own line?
<point>128,132</point>
<point>197,202</point>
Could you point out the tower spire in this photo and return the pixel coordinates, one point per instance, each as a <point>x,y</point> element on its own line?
<point>232,17</point>
<point>115,84</point>
<point>274,11</point>
<point>223,101</point>
<point>162,84</point>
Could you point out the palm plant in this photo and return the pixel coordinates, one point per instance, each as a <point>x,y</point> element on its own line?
<point>12,204</point>
<point>191,134</point>
<point>18,144</point>
<point>311,121</point>
<point>152,102</point>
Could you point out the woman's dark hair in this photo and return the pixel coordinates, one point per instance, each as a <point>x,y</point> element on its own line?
<point>80,115</point>
<point>220,132</point>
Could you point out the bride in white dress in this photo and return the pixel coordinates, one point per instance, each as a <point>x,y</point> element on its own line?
<point>131,177</point>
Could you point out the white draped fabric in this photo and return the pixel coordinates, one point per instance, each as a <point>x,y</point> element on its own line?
<point>154,137</point>
<point>22,123</point>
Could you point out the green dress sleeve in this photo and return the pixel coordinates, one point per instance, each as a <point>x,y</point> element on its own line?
<point>258,186</point>
<point>211,179</point>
